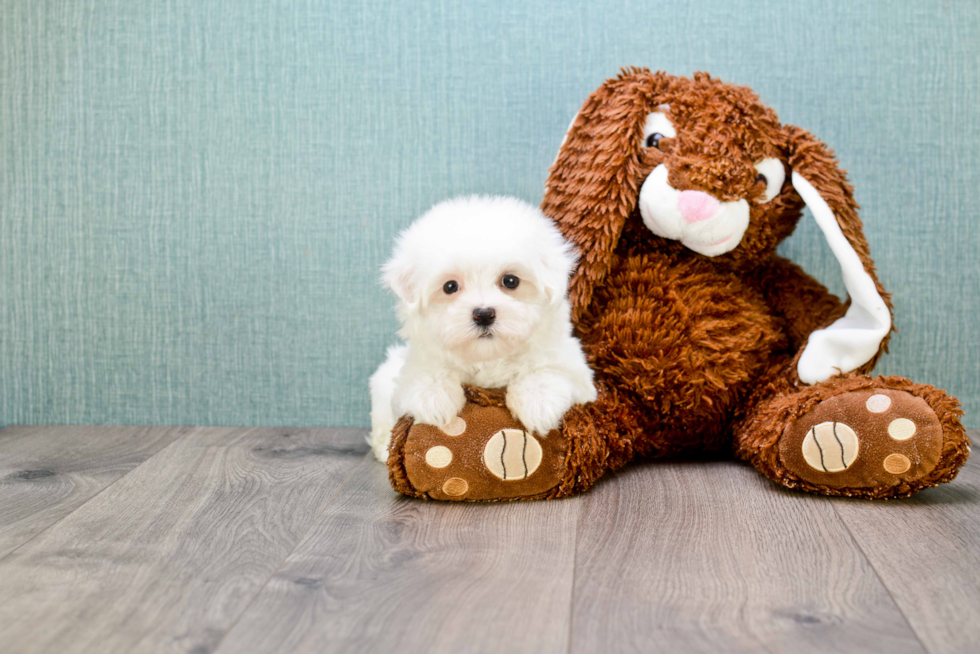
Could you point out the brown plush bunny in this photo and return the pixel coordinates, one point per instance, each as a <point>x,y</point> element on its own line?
<point>676,192</point>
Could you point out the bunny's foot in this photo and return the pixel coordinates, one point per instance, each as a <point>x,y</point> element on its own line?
<point>863,437</point>
<point>484,454</point>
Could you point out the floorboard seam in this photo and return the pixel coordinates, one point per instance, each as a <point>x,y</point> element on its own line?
<point>299,540</point>
<point>572,595</point>
<point>880,579</point>
<point>185,430</point>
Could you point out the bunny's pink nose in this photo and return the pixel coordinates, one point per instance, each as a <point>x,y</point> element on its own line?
<point>696,206</point>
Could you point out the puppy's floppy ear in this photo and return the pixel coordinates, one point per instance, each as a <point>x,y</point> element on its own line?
<point>555,266</point>
<point>857,340</point>
<point>594,183</point>
<point>399,275</point>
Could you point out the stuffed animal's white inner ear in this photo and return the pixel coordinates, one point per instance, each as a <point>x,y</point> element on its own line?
<point>570,123</point>
<point>854,339</point>
<point>564,140</point>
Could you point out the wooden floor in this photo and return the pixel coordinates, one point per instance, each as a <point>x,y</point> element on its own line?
<point>136,539</point>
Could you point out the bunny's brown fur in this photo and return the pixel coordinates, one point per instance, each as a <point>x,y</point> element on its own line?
<point>697,354</point>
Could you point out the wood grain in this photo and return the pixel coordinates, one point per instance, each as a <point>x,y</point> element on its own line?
<point>926,550</point>
<point>290,540</point>
<point>711,557</point>
<point>166,558</point>
<point>383,573</point>
<point>47,472</point>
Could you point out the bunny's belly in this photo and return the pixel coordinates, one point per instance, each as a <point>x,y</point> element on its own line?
<point>685,339</point>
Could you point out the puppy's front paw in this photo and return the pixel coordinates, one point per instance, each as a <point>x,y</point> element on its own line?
<point>433,403</point>
<point>540,408</point>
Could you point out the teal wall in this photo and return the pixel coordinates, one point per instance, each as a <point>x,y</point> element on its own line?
<point>195,195</point>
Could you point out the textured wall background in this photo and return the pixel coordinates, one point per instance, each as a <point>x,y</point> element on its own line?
<point>195,195</point>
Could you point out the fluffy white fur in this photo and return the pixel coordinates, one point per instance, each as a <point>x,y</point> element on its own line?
<point>529,348</point>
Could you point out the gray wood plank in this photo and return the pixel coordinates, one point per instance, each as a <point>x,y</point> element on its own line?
<point>48,472</point>
<point>926,550</point>
<point>384,573</point>
<point>166,558</point>
<point>712,557</point>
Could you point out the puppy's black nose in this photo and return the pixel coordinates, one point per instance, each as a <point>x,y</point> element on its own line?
<point>484,317</point>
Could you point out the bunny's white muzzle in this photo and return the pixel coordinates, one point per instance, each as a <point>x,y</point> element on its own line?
<point>696,219</point>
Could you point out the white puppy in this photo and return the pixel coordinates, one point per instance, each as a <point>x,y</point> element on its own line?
<point>481,284</point>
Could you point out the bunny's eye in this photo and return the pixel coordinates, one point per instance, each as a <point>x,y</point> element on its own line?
<point>653,141</point>
<point>771,172</point>
<point>658,127</point>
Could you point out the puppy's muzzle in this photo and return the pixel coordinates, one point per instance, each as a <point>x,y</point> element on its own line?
<point>484,316</point>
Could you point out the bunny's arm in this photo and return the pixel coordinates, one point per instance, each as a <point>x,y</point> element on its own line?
<point>801,301</point>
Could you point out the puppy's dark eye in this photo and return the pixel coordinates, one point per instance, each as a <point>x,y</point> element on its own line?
<point>450,287</point>
<point>510,281</point>
<point>653,141</point>
<point>762,178</point>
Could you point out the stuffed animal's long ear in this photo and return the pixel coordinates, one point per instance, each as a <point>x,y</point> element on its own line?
<point>856,340</point>
<point>594,183</point>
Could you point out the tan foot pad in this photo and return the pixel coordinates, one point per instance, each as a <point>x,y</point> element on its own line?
<point>864,439</point>
<point>484,454</point>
